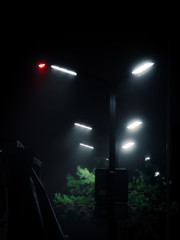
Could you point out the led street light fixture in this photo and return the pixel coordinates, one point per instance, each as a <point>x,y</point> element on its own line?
<point>143,67</point>
<point>64,70</point>
<point>134,125</point>
<point>128,145</point>
<point>86,146</point>
<point>82,126</point>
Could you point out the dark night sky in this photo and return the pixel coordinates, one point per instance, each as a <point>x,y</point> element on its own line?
<point>97,43</point>
<point>46,112</point>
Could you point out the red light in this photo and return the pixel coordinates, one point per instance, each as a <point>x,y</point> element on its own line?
<point>41,65</point>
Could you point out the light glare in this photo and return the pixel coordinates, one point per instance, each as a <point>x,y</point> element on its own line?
<point>41,65</point>
<point>64,70</point>
<point>147,158</point>
<point>128,145</point>
<point>134,125</point>
<point>87,146</point>
<point>83,126</point>
<point>142,68</point>
<point>156,174</point>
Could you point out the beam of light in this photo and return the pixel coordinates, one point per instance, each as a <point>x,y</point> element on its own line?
<point>82,126</point>
<point>87,146</point>
<point>128,145</point>
<point>147,158</point>
<point>142,68</point>
<point>134,125</point>
<point>64,70</point>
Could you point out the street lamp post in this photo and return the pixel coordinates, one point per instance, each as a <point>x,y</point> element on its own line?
<point>137,71</point>
<point>111,205</point>
<point>112,140</point>
<point>111,175</point>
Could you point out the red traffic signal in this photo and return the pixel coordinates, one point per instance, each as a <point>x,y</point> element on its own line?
<point>41,65</point>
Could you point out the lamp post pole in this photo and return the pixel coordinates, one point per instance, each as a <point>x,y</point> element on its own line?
<point>112,222</point>
<point>112,142</point>
<point>111,204</point>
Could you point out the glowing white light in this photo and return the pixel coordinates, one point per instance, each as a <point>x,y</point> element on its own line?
<point>142,68</point>
<point>156,174</point>
<point>128,145</point>
<point>87,146</point>
<point>63,70</point>
<point>134,125</point>
<point>147,158</point>
<point>83,126</point>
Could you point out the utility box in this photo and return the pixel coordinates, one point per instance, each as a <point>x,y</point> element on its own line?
<point>111,186</point>
<point>111,194</point>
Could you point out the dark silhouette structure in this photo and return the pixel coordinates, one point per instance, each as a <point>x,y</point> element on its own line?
<point>28,208</point>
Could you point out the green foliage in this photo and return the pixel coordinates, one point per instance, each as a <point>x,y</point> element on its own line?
<point>82,186</point>
<point>147,206</point>
<point>146,199</point>
<point>78,200</point>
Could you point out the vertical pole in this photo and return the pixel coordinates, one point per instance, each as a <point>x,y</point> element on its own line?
<point>112,150</point>
<point>168,144</point>
<point>112,223</point>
